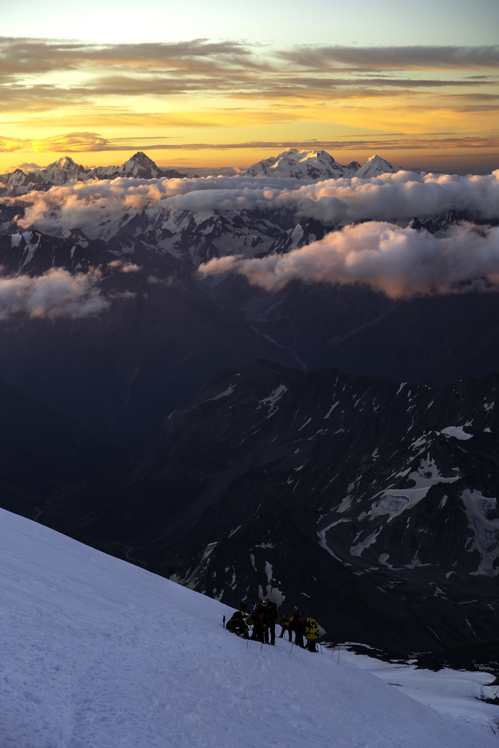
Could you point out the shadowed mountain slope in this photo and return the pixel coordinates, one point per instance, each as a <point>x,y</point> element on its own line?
<point>369,503</point>
<point>45,453</point>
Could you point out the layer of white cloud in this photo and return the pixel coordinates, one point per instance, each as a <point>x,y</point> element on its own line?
<point>400,262</point>
<point>57,293</point>
<point>98,207</point>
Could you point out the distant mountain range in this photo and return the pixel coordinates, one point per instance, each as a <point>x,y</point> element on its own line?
<point>297,164</point>
<point>293,163</point>
<point>66,170</point>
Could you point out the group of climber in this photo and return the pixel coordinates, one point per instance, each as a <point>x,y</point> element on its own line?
<point>262,619</point>
<point>295,624</point>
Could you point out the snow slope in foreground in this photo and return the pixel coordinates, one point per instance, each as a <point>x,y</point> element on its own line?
<point>458,693</point>
<point>97,653</point>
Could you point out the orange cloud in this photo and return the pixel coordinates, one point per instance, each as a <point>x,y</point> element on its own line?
<point>104,92</point>
<point>74,142</point>
<point>9,145</point>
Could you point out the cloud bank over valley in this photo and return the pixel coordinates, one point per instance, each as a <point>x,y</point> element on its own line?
<point>371,231</point>
<point>98,207</point>
<point>56,293</point>
<point>400,262</point>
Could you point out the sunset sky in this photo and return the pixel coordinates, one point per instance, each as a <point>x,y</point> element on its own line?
<point>198,84</point>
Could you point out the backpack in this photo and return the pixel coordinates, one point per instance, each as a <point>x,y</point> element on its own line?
<point>259,615</point>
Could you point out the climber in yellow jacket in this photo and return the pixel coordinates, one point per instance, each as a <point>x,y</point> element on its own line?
<point>311,634</point>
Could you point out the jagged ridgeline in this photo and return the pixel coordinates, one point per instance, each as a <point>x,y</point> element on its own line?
<point>292,163</point>
<point>64,170</point>
<point>369,504</point>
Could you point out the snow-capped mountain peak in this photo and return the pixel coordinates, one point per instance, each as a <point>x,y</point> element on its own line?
<point>14,178</point>
<point>65,162</point>
<point>138,166</point>
<point>300,164</point>
<point>317,164</point>
<point>375,166</point>
<point>64,170</point>
<point>141,166</point>
<point>293,163</point>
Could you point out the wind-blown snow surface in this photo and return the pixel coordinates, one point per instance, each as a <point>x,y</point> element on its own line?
<point>97,653</point>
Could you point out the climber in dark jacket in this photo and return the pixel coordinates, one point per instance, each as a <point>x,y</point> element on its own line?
<point>258,618</point>
<point>237,625</point>
<point>297,626</point>
<point>271,612</point>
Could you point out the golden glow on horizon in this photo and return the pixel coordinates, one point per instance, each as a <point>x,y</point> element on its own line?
<point>223,103</point>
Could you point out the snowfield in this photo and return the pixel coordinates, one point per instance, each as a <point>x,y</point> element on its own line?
<point>97,653</point>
